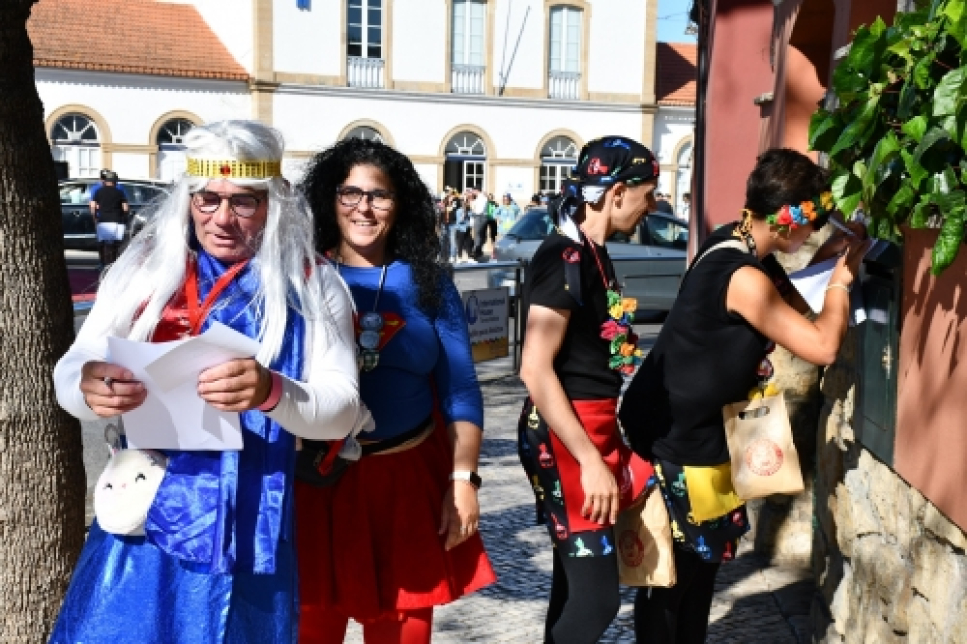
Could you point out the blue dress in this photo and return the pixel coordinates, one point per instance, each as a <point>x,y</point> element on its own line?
<point>217,562</point>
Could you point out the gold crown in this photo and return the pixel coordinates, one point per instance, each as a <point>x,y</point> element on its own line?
<point>216,169</point>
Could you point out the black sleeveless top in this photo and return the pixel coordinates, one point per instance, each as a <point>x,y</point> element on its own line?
<point>704,358</point>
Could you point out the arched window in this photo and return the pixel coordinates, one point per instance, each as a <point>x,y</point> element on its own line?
<point>172,161</point>
<point>683,182</point>
<point>466,162</point>
<point>558,156</point>
<point>75,141</point>
<point>366,133</point>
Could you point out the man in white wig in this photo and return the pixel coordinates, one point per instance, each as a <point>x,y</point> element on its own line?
<point>214,559</point>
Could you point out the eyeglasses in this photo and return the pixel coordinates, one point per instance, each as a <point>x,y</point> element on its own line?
<point>350,196</point>
<point>243,204</point>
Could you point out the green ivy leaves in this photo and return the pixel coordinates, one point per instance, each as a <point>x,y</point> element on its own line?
<point>897,141</point>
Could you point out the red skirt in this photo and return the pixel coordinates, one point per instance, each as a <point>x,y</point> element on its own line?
<point>556,474</point>
<point>368,546</point>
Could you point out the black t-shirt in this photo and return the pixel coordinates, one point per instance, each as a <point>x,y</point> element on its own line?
<point>704,358</point>
<point>564,275</point>
<point>109,200</point>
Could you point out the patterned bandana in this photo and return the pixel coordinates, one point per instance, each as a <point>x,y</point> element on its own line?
<point>611,159</point>
<point>602,163</point>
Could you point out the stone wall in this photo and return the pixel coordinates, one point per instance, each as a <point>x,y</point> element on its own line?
<point>889,566</point>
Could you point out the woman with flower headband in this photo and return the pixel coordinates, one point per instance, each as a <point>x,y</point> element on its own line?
<point>734,306</point>
<point>232,244</point>
<point>397,534</point>
<point>578,346</point>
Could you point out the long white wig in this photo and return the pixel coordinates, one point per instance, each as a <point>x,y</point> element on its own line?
<point>152,269</point>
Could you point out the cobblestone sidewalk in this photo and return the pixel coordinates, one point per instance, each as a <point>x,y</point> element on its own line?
<point>754,604</point>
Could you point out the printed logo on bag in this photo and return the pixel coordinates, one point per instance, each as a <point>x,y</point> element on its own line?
<point>763,457</point>
<point>631,548</point>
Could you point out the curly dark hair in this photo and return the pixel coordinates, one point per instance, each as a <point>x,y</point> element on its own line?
<point>782,176</point>
<point>413,237</point>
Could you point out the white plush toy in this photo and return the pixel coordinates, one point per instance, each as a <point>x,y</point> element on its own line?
<point>127,487</point>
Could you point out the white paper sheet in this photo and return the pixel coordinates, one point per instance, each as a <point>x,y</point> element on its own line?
<point>217,345</point>
<point>811,282</point>
<point>173,416</point>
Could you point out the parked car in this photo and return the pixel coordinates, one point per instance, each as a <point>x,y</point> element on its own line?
<point>75,198</point>
<point>650,269</point>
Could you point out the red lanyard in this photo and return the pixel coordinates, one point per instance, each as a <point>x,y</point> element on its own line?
<point>196,313</point>
<point>594,251</point>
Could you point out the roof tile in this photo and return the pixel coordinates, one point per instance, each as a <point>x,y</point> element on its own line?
<point>129,36</point>
<point>676,74</point>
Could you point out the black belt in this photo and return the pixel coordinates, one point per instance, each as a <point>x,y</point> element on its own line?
<point>396,441</point>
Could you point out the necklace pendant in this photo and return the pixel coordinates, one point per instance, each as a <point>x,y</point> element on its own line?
<point>369,339</point>
<point>371,321</point>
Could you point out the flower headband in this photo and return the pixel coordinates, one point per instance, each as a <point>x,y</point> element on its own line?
<point>791,217</point>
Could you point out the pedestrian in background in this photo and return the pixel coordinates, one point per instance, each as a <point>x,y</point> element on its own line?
<point>535,202</point>
<point>686,209</point>
<point>578,345</point>
<point>396,535</point>
<point>481,221</point>
<point>492,225</point>
<point>463,233</point>
<point>507,214</point>
<point>109,208</point>
<point>735,305</point>
<point>216,562</point>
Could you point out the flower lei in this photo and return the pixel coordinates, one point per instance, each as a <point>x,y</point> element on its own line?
<point>792,217</point>
<point>625,354</point>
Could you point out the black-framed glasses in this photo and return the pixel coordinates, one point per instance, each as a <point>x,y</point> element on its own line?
<point>350,196</point>
<point>242,204</point>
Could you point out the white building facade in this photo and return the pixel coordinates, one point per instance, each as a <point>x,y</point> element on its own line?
<point>498,94</point>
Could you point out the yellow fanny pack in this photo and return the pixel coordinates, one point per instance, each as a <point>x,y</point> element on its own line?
<point>710,491</point>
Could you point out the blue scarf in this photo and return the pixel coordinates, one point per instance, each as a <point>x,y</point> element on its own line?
<point>225,512</point>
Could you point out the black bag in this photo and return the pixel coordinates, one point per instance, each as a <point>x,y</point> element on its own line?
<point>318,462</point>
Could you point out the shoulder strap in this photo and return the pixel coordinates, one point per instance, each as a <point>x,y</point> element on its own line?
<point>735,244</point>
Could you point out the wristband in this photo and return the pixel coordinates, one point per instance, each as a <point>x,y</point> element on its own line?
<point>838,285</point>
<point>470,477</point>
<point>275,393</point>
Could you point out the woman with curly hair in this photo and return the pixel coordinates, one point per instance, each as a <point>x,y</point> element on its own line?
<point>397,533</point>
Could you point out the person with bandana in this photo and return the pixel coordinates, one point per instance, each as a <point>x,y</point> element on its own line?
<point>578,346</point>
<point>735,305</point>
<point>397,534</point>
<point>231,243</point>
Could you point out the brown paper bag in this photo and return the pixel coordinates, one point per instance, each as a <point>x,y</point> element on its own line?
<point>644,539</point>
<point>764,458</point>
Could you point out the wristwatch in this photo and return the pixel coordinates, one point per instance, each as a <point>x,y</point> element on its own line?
<point>466,475</point>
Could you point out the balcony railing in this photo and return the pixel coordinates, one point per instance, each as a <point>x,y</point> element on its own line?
<point>365,72</point>
<point>467,79</point>
<point>565,85</point>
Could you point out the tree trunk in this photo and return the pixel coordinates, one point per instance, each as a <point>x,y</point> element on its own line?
<point>42,483</point>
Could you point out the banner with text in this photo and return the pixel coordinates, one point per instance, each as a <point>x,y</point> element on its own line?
<point>487,320</point>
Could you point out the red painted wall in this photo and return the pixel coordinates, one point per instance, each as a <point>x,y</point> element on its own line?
<point>931,442</point>
<point>739,70</point>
